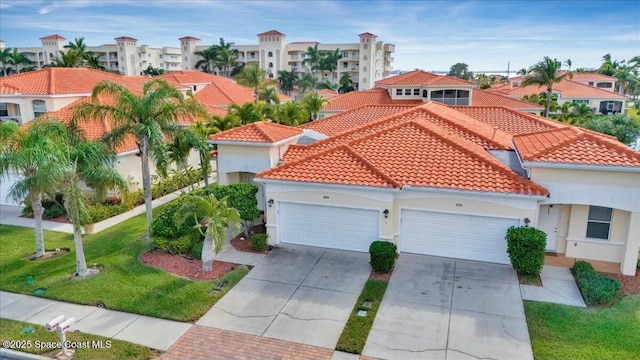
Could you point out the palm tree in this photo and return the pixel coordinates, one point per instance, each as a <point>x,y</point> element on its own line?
<point>218,123</point>
<point>69,59</point>
<point>568,63</point>
<point>545,73</point>
<point>249,112</point>
<point>307,82</point>
<point>148,118</point>
<point>287,80</point>
<point>202,131</point>
<point>225,57</point>
<point>292,114</point>
<point>183,142</point>
<point>79,47</point>
<point>93,62</point>
<point>313,58</point>
<point>269,95</point>
<point>346,84</point>
<point>252,76</point>
<point>94,164</point>
<point>17,58</point>
<point>37,155</point>
<point>329,62</point>
<point>207,63</point>
<point>581,112</point>
<point>522,71</point>
<point>216,216</point>
<point>313,102</point>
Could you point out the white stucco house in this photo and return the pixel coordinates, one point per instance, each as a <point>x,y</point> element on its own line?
<point>445,181</point>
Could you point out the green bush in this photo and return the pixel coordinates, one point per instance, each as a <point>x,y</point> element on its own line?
<point>259,242</point>
<point>383,255</point>
<point>196,250</point>
<point>526,247</point>
<point>164,226</point>
<point>180,245</point>
<point>596,288</point>
<point>99,212</point>
<point>53,212</point>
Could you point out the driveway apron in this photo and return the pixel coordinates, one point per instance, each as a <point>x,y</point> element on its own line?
<point>296,293</point>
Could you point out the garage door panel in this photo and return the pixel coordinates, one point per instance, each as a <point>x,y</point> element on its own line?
<point>469,237</point>
<point>328,226</point>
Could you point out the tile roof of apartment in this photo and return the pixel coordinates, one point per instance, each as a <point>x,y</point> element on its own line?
<point>303,42</point>
<point>509,120</point>
<point>126,38</point>
<point>571,145</point>
<point>353,118</point>
<point>224,93</point>
<point>271,32</point>
<point>484,98</point>
<point>568,88</point>
<point>192,77</point>
<point>367,34</point>
<point>354,99</point>
<point>416,153</point>
<point>578,76</point>
<point>59,81</point>
<point>189,38</point>
<point>257,132</point>
<point>54,36</point>
<point>421,78</point>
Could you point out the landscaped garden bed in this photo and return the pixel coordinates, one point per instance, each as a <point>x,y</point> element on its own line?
<point>185,266</point>
<point>241,243</point>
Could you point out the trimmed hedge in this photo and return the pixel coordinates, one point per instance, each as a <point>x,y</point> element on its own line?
<point>596,288</point>
<point>383,255</point>
<point>526,247</point>
<point>259,242</point>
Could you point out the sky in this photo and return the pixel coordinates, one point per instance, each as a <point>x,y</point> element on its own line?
<point>429,35</point>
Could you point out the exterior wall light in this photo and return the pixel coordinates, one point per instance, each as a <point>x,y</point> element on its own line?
<point>526,222</point>
<point>386,213</point>
<point>270,202</point>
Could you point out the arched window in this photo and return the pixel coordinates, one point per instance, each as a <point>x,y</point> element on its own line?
<point>39,107</point>
<point>270,54</point>
<point>270,64</point>
<point>364,57</point>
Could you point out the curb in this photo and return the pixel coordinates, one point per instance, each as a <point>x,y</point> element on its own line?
<point>19,355</point>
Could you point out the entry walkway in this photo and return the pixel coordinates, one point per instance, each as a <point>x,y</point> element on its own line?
<point>558,287</point>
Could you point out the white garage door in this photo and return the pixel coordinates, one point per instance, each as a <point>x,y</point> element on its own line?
<point>328,226</point>
<point>470,237</point>
<point>6,182</point>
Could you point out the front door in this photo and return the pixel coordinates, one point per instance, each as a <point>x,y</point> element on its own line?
<point>548,222</point>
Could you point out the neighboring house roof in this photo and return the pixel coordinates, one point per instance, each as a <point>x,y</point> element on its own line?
<point>421,78</point>
<point>59,81</point>
<point>485,98</point>
<point>568,88</point>
<point>416,152</point>
<point>354,99</point>
<point>192,77</point>
<point>271,32</point>
<point>350,119</point>
<point>214,110</point>
<point>223,93</point>
<point>571,145</point>
<point>508,120</point>
<point>586,76</point>
<point>257,132</point>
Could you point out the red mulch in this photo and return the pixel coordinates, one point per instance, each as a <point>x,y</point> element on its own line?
<point>380,276</point>
<point>523,281</point>
<point>245,245</point>
<point>60,219</point>
<point>630,284</point>
<point>182,266</point>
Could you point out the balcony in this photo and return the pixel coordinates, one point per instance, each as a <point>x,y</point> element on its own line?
<point>388,58</point>
<point>389,47</point>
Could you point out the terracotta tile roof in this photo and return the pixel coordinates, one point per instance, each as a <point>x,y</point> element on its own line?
<point>271,32</point>
<point>367,34</point>
<point>509,120</point>
<point>257,132</point>
<point>567,88</point>
<point>224,94</point>
<point>417,153</point>
<point>350,119</point>
<point>419,77</point>
<point>54,36</point>
<point>192,77</point>
<point>327,92</point>
<point>58,81</point>
<point>485,98</point>
<point>303,42</point>
<point>126,38</point>
<point>579,76</point>
<point>571,145</point>
<point>188,38</point>
<point>354,99</point>
<point>214,110</point>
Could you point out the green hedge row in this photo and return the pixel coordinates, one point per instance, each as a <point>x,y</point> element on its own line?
<point>596,288</point>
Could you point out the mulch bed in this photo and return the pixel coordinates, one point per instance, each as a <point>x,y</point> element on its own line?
<point>185,267</point>
<point>523,281</point>
<point>630,284</point>
<point>62,219</point>
<point>50,254</point>
<point>380,276</point>
<point>245,245</point>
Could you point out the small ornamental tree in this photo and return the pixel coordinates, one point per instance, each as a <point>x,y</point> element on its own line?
<point>241,197</point>
<point>526,247</point>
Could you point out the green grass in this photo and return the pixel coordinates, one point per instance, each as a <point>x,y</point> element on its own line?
<point>357,328</point>
<point>125,283</point>
<point>633,112</point>
<point>40,339</point>
<point>566,332</point>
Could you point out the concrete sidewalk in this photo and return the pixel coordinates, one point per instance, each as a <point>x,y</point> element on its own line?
<point>558,287</point>
<point>155,333</point>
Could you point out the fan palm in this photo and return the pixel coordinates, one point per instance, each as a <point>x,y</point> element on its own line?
<point>313,102</point>
<point>149,118</point>
<point>546,73</point>
<point>36,155</point>
<point>215,216</point>
<point>252,76</point>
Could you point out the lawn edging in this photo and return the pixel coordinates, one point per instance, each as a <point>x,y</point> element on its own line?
<point>355,333</point>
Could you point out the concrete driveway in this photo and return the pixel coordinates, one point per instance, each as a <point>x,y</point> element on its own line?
<point>296,293</point>
<point>439,308</point>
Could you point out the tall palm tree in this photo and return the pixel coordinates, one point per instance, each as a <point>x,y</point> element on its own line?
<point>183,142</point>
<point>313,102</point>
<point>286,81</point>
<point>522,71</point>
<point>346,84</point>
<point>94,164</point>
<point>149,118</point>
<point>36,155</point>
<point>93,61</point>
<point>269,95</point>
<point>201,130</point>
<point>17,58</point>
<point>207,63</point>
<point>249,112</point>
<point>329,62</point>
<point>4,59</point>
<point>313,58</point>
<point>78,45</point>
<point>213,214</point>
<point>292,114</point>
<point>225,57</point>
<point>568,63</point>
<point>70,58</point>
<point>219,123</point>
<point>307,82</point>
<point>252,76</point>
<point>546,73</point>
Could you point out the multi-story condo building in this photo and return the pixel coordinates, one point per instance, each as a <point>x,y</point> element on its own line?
<point>366,61</point>
<point>125,56</point>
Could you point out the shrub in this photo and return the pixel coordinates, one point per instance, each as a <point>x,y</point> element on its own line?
<point>180,245</point>
<point>196,250</point>
<point>241,197</point>
<point>383,255</point>
<point>596,288</point>
<point>99,212</point>
<point>53,212</point>
<point>259,242</point>
<point>164,226</point>
<point>526,247</point>
<point>112,200</point>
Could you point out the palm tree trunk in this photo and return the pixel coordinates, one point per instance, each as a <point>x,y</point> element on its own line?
<point>205,167</point>
<point>208,253</point>
<point>255,95</point>
<point>36,205</point>
<point>81,262</point>
<point>548,105</point>
<point>146,183</point>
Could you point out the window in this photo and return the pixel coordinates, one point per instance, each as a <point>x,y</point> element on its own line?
<point>599,222</point>
<point>161,56</point>
<point>398,91</point>
<point>407,91</point>
<point>364,57</point>
<point>416,91</point>
<point>610,105</point>
<point>451,97</point>
<point>3,109</point>
<point>270,54</point>
<point>590,83</point>
<point>345,54</point>
<point>604,85</point>
<point>39,107</point>
<point>345,65</point>
<point>270,64</point>
<point>425,93</point>
<point>581,101</point>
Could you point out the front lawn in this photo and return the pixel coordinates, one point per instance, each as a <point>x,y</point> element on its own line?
<point>566,332</point>
<point>125,284</point>
<point>37,342</point>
